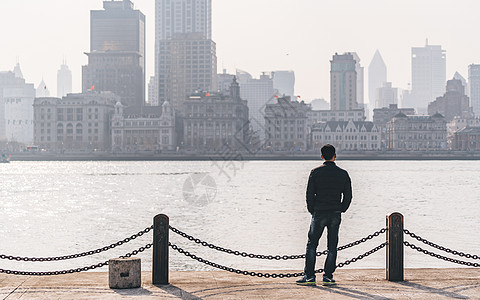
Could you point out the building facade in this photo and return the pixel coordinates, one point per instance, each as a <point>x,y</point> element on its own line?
<point>317,116</point>
<point>145,129</point>
<point>187,63</point>
<point>116,61</point>
<point>474,87</point>
<point>386,95</point>
<point>77,122</point>
<point>258,92</point>
<point>213,121</point>
<point>346,135</point>
<point>16,107</point>
<point>359,69</point>
<point>284,83</point>
<point>286,125</point>
<point>454,103</point>
<point>417,133</point>
<point>64,81</point>
<point>467,139</point>
<point>428,75</point>
<point>343,82</point>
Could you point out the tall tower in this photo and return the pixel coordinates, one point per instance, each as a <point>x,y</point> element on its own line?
<point>377,75</point>
<point>284,83</point>
<point>116,61</point>
<point>343,82</point>
<point>428,74</point>
<point>474,87</point>
<point>183,26</point>
<point>64,80</point>
<point>360,79</point>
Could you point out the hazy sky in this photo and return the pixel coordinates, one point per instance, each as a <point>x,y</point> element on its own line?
<point>258,35</point>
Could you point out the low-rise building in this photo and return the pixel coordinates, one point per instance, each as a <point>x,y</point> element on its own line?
<point>467,139</point>
<point>316,116</point>
<point>457,124</point>
<point>76,122</point>
<point>381,116</point>
<point>213,121</point>
<point>346,136</point>
<point>286,125</point>
<point>417,133</point>
<point>139,129</point>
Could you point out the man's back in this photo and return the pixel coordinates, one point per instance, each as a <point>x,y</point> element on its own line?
<point>326,185</point>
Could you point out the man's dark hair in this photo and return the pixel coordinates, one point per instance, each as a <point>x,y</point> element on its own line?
<point>328,151</point>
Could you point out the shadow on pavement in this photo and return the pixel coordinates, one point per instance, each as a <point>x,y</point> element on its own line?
<point>178,292</point>
<point>431,290</point>
<point>340,290</point>
<point>133,292</point>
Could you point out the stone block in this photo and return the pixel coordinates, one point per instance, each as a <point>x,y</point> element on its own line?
<point>124,273</point>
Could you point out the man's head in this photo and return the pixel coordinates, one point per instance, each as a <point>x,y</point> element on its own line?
<point>328,152</point>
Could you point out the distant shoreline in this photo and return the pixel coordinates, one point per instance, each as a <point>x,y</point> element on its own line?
<point>239,157</point>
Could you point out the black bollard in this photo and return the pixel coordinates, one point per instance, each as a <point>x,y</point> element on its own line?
<point>395,247</point>
<point>160,250</point>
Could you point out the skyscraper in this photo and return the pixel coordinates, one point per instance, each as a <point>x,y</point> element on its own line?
<point>64,80</point>
<point>182,16</point>
<point>284,83</point>
<point>474,87</point>
<point>428,74</point>
<point>183,26</point>
<point>257,92</point>
<point>360,79</point>
<point>343,82</point>
<point>116,61</point>
<point>188,63</point>
<point>377,75</point>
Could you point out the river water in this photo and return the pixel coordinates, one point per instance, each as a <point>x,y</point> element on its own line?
<point>59,208</point>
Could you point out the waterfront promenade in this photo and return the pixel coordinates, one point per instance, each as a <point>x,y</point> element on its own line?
<point>461,283</point>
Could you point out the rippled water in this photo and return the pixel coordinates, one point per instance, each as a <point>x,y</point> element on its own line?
<point>58,208</point>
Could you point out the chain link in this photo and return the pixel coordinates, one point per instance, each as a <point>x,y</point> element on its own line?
<point>458,253</point>
<point>77,270</point>
<point>456,261</point>
<point>268,275</point>
<point>72,256</point>
<point>271,257</point>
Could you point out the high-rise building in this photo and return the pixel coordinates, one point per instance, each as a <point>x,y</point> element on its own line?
<point>188,63</point>
<point>474,87</point>
<point>64,80</point>
<point>185,55</point>
<point>182,16</point>
<point>454,103</point>
<point>428,75</point>
<point>284,83</point>
<point>16,107</point>
<point>377,75</point>
<point>386,95</point>
<point>42,90</point>
<point>257,92</point>
<point>116,61</point>
<point>153,92</point>
<point>360,80</point>
<point>224,80</point>
<point>343,82</point>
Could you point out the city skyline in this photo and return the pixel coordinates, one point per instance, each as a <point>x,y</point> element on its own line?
<point>267,35</point>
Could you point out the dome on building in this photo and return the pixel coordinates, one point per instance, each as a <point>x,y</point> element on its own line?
<point>400,115</point>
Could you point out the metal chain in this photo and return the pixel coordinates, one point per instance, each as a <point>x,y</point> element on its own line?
<point>77,270</point>
<point>456,261</point>
<point>458,253</point>
<point>268,275</point>
<point>87,253</point>
<point>271,257</point>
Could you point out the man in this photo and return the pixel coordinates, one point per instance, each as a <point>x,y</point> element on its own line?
<point>326,185</point>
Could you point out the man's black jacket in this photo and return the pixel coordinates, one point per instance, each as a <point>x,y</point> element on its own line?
<point>326,185</point>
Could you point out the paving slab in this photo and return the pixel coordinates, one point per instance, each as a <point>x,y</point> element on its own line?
<point>461,283</point>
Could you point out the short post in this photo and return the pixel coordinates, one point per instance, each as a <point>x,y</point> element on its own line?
<point>160,250</point>
<point>395,247</point>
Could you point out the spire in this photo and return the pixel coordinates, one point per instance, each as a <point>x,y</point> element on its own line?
<point>235,89</point>
<point>17,71</point>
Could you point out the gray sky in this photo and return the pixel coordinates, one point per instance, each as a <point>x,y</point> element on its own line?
<point>258,35</point>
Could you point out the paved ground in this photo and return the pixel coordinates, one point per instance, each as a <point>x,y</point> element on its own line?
<point>352,284</point>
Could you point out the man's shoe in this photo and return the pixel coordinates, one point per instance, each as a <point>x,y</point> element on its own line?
<point>306,281</point>
<point>328,281</point>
